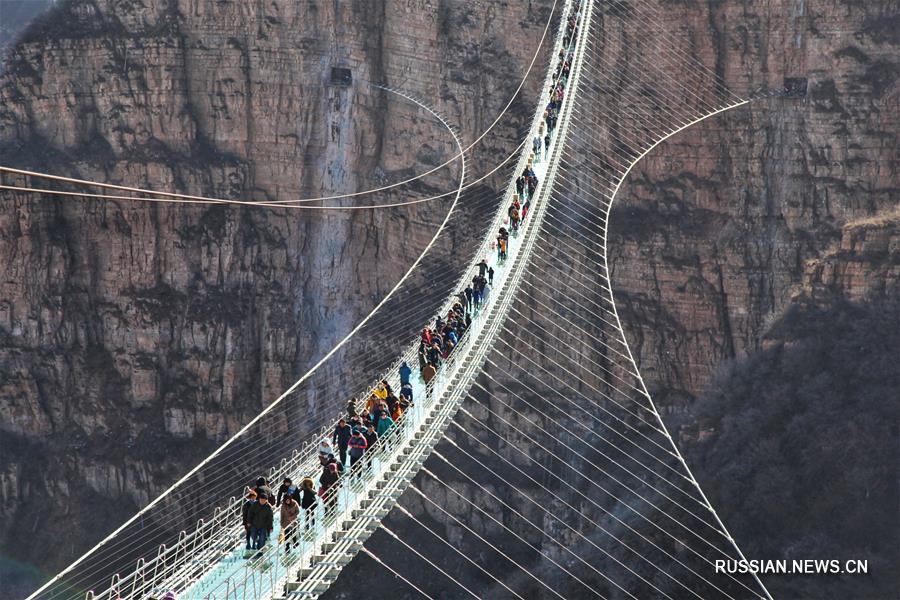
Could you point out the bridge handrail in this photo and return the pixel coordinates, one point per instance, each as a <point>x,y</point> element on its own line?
<point>333,502</point>
<point>291,466</point>
<point>467,338</point>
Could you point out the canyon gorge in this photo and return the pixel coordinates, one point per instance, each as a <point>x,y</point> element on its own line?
<point>135,337</point>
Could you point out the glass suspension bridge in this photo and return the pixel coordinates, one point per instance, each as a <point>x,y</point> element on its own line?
<point>595,498</point>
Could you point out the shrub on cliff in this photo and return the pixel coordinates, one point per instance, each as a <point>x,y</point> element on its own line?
<point>803,459</point>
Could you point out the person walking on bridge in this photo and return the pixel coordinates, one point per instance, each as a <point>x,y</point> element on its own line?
<point>407,390</point>
<point>286,488</point>
<point>501,247</point>
<point>249,502</point>
<point>353,408</point>
<point>405,374</point>
<point>513,213</point>
<point>371,437</point>
<point>327,480</point>
<point>324,450</point>
<point>376,413</point>
<point>428,374</point>
<point>423,360</point>
<point>482,267</point>
<point>434,354</point>
<point>289,511</point>
<point>341,438</point>
<point>262,519</point>
<point>358,446</point>
<point>384,424</point>
<point>308,500</point>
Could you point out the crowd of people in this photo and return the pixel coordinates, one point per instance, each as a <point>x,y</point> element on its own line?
<point>366,423</point>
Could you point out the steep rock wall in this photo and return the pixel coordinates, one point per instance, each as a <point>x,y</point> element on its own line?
<point>712,231</point>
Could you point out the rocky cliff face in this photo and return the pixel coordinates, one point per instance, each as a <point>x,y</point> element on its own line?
<point>865,266</point>
<point>715,229</point>
<point>133,337</point>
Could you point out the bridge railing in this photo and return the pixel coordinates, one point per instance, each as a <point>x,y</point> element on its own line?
<point>346,495</point>
<point>265,574</point>
<point>268,571</point>
<point>185,563</point>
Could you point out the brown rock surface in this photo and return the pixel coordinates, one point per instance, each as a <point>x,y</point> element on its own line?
<point>714,229</point>
<point>865,266</point>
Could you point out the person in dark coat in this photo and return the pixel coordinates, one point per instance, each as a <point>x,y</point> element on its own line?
<point>352,408</point>
<point>434,356</point>
<point>358,445</point>
<point>262,519</point>
<point>391,402</point>
<point>462,298</point>
<point>355,422</point>
<point>249,502</point>
<point>308,500</point>
<point>376,413</point>
<point>371,437</point>
<point>407,390</point>
<point>287,487</point>
<point>422,355</point>
<point>265,490</point>
<point>341,437</point>
<point>327,480</point>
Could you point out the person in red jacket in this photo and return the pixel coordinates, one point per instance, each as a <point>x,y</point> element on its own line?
<point>358,446</point>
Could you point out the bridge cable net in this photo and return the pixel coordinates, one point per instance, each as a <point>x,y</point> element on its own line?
<point>568,455</point>
<point>21,180</point>
<point>401,106</point>
<point>191,539</point>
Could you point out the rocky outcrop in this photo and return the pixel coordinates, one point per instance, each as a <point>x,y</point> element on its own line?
<point>866,265</point>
